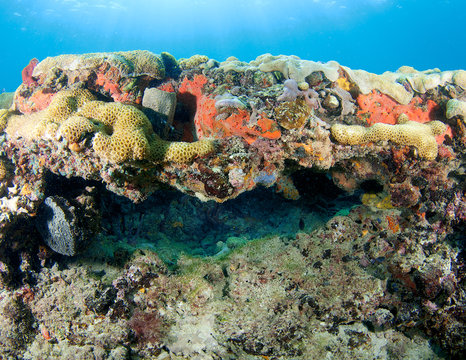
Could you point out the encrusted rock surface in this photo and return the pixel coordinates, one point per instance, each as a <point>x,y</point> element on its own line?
<point>380,277</point>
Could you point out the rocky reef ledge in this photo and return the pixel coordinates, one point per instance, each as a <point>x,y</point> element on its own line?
<point>88,139</point>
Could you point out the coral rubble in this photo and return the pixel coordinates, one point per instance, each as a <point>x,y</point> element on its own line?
<point>381,277</point>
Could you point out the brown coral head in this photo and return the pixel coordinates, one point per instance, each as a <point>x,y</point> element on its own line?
<point>292,114</point>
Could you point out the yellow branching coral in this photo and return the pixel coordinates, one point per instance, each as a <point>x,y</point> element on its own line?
<point>406,132</point>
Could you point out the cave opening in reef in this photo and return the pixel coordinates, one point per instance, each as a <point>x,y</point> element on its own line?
<point>171,223</point>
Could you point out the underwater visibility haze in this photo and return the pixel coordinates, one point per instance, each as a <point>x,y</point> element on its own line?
<point>375,35</point>
<point>206,180</point>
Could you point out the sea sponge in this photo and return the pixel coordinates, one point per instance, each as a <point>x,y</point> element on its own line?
<point>406,132</point>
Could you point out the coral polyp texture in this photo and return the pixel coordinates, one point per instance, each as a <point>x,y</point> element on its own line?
<point>3,170</point>
<point>120,132</point>
<point>45,123</point>
<point>126,134</point>
<point>406,132</point>
<point>381,276</point>
<point>4,113</point>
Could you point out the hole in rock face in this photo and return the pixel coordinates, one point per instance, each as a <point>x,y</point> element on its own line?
<point>171,223</point>
<point>183,121</point>
<point>68,187</point>
<point>371,186</point>
<point>312,185</point>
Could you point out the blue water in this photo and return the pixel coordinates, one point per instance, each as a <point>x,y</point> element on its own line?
<point>375,35</point>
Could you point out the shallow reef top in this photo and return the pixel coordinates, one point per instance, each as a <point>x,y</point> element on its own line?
<point>86,141</point>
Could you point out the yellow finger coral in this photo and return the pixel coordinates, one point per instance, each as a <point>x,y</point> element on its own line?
<point>406,132</point>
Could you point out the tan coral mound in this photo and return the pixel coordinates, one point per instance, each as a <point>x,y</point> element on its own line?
<point>406,132</point>
<point>456,107</point>
<point>179,152</point>
<point>126,131</point>
<point>129,63</point>
<point>73,128</point>
<point>193,61</point>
